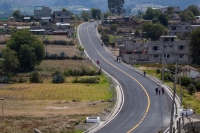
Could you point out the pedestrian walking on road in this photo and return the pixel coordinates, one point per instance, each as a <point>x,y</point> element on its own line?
<point>156,90</point>
<point>159,91</point>
<point>144,73</point>
<point>163,90</point>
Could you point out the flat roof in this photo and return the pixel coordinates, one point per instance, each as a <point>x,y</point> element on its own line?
<point>23,27</point>
<point>27,17</point>
<point>45,17</point>
<point>167,36</point>
<point>38,30</point>
<point>63,24</point>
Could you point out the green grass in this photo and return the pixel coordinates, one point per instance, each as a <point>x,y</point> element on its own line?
<point>65,91</point>
<point>111,38</point>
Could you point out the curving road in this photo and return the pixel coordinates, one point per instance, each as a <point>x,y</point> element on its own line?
<point>143,111</point>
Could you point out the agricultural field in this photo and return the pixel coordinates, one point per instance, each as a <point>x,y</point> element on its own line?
<point>52,107</point>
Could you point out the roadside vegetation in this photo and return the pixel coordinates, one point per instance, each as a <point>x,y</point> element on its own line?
<point>190,89</point>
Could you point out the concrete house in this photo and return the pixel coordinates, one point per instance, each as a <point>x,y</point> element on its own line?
<point>61,16</point>
<point>180,28</point>
<point>166,49</point>
<point>41,11</point>
<point>190,72</point>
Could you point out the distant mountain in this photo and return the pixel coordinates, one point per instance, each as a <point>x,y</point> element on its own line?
<point>22,3</point>
<point>102,4</point>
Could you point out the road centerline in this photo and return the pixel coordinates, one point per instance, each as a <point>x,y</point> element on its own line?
<point>148,98</point>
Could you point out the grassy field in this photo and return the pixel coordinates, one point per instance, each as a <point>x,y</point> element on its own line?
<point>65,91</point>
<point>52,107</point>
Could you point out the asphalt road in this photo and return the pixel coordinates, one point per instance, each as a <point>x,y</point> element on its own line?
<point>143,111</point>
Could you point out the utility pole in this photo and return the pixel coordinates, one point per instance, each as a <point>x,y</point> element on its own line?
<point>162,62</point>
<point>173,100</point>
<point>181,91</point>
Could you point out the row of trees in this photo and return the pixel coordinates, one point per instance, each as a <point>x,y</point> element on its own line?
<point>94,13</point>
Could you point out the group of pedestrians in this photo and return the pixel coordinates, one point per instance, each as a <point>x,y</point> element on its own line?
<point>159,91</point>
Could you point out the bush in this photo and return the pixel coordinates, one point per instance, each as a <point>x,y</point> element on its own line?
<point>35,77</point>
<point>197,85</point>
<point>191,89</point>
<point>157,71</point>
<point>58,77</point>
<point>87,80</point>
<point>185,81</point>
<point>22,80</point>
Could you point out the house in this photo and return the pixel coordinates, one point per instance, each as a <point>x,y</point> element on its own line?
<point>181,28</point>
<point>176,10</point>
<point>61,16</point>
<point>45,19</point>
<point>27,19</point>
<point>41,11</point>
<point>166,49</point>
<point>114,19</point>
<point>190,72</point>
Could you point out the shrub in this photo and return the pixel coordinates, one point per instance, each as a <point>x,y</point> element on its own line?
<point>89,80</point>
<point>58,77</point>
<point>22,80</point>
<point>197,85</point>
<point>75,80</point>
<point>35,77</point>
<point>185,81</point>
<point>157,71</point>
<point>191,89</point>
<point>171,68</point>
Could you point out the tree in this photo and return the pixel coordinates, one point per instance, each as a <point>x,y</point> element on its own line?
<point>64,9</point>
<point>153,31</point>
<point>151,13</point>
<point>10,61</point>
<point>96,13</point>
<point>106,14</point>
<point>85,15</point>
<point>194,45</point>
<point>16,14</point>
<point>194,9</point>
<point>170,10</point>
<point>113,27</point>
<point>137,33</point>
<point>29,49</point>
<point>115,6</point>
<point>187,16</point>
<point>163,19</point>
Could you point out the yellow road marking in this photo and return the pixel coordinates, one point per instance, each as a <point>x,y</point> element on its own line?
<point>147,109</point>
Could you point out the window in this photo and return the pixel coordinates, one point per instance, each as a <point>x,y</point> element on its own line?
<point>66,14</point>
<point>181,47</point>
<point>181,56</point>
<point>167,56</point>
<point>173,28</point>
<point>155,48</point>
<point>156,56</point>
<point>170,46</point>
<point>129,52</point>
<point>58,14</point>
<point>138,52</point>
